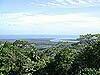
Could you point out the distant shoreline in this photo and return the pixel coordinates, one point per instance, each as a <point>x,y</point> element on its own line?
<point>38,36</point>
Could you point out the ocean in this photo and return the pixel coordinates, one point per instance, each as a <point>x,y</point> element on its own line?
<point>38,37</point>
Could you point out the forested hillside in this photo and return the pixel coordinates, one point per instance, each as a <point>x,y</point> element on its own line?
<point>64,58</point>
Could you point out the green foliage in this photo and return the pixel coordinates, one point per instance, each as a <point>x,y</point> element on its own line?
<point>63,60</point>
<point>90,56</point>
<point>23,58</point>
<point>89,71</point>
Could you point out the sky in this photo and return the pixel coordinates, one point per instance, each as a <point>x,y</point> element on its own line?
<point>52,17</point>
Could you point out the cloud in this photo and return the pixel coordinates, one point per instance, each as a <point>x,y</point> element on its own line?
<point>41,23</point>
<point>66,3</point>
<point>30,19</point>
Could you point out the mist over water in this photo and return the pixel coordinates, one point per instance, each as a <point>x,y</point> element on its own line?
<point>38,36</point>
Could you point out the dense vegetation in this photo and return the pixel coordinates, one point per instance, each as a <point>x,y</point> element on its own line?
<point>24,58</point>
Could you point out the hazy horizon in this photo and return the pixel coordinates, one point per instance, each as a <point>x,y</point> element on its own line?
<point>37,36</point>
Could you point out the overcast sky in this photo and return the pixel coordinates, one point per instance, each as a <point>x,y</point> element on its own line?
<point>49,17</point>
